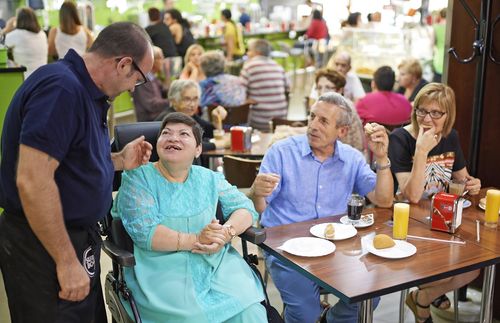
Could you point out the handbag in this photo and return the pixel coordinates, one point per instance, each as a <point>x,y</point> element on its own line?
<point>273,316</point>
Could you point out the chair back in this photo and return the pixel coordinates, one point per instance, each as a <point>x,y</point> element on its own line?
<point>292,123</point>
<point>237,115</point>
<point>240,172</point>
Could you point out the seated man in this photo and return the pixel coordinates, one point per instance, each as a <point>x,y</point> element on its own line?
<point>317,179</point>
<point>149,100</point>
<point>266,83</point>
<point>382,105</point>
<point>341,62</point>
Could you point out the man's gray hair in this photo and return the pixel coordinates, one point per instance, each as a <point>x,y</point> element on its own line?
<point>212,63</point>
<point>345,116</point>
<point>178,86</point>
<point>260,46</point>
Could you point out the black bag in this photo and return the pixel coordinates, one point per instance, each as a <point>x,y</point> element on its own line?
<point>273,316</point>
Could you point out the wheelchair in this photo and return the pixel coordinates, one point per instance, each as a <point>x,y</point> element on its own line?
<point>119,246</point>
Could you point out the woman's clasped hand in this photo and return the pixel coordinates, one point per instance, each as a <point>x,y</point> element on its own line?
<point>211,238</point>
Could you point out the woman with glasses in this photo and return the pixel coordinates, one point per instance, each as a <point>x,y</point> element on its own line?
<point>184,96</point>
<point>425,155</point>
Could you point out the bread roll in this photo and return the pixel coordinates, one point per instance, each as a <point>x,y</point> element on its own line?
<point>329,231</point>
<point>383,241</point>
<point>369,129</point>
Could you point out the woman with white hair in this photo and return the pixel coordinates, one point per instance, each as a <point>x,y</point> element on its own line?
<point>184,97</point>
<point>219,88</point>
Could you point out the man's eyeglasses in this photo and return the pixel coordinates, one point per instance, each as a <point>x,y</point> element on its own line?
<point>187,99</point>
<point>434,113</point>
<point>136,67</point>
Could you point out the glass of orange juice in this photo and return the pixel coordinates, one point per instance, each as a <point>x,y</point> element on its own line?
<point>492,207</point>
<point>400,220</point>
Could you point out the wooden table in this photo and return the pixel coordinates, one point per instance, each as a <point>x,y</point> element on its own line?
<point>258,150</point>
<point>354,275</point>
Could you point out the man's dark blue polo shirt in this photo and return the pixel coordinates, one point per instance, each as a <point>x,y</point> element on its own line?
<point>59,110</point>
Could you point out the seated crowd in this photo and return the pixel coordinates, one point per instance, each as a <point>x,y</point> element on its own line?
<point>168,207</point>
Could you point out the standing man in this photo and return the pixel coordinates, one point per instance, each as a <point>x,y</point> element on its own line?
<point>266,83</point>
<point>160,33</point>
<point>311,176</point>
<point>56,176</point>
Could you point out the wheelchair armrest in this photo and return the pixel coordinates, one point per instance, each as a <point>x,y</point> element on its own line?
<point>254,235</point>
<point>118,255</point>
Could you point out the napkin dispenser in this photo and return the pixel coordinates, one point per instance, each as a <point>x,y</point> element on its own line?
<point>241,138</point>
<point>446,212</point>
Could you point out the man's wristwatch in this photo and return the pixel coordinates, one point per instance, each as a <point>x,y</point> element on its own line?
<point>381,167</point>
<point>230,230</point>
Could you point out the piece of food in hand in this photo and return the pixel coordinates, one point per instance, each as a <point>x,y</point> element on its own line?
<point>329,231</point>
<point>383,241</point>
<point>369,129</point>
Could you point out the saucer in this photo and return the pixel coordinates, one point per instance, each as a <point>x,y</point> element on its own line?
<point>365,221</point>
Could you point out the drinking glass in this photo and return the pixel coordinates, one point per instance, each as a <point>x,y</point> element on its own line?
<point>355,207</point>
<point>492,207</point>
<point>457,186</point>
<point>400,222</point>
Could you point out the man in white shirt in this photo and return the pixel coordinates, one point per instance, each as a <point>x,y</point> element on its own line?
<point>353,89</point>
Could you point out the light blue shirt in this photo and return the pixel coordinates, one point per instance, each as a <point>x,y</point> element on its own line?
<point>310,189</point>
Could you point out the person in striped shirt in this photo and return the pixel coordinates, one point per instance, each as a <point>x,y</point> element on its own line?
<point>266,83</point>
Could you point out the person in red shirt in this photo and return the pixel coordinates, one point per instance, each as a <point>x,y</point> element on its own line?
<point>317,29</point>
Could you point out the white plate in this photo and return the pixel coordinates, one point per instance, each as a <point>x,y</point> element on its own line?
<point>467,203</point>
<point>365,221</point>
<point>308,247</point>
<point>402,249</point>
<point>342,231</point>
<point>482,207</point>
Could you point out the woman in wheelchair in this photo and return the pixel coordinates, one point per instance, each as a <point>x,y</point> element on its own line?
<point>186,269</point>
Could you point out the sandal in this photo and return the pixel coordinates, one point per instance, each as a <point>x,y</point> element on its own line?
<point>440,301</point>
<point>414,305</point>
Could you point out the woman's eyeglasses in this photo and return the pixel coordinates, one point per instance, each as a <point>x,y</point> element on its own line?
<point>435,114</point>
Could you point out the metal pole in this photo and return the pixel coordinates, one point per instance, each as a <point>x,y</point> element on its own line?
<point>366,311</point>
<point>402,299</point>
<point>487,297</point>
<point>477,106</point>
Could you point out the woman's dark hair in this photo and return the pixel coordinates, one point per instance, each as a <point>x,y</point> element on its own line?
<point>178,117</point>
<point>317,15</point>
<point>68,18</point>
<point>26,19</point>
<point>122,39</point>
<point>154,14</point>
<point>352,20</point>
<point>226,13</point>
<point>332,76</point>
<point>176,14</point>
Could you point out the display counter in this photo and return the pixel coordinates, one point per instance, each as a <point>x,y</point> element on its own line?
<point>215,42</point>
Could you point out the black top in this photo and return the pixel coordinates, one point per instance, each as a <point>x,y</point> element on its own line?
<point>162,37</point>
<point>442,160</point>
<point>186,41</point>
<point>419,86</point>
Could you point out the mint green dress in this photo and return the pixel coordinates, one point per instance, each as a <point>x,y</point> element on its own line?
<point>183,286</point>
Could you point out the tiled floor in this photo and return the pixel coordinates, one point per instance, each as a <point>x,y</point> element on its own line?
<point>387,311</point>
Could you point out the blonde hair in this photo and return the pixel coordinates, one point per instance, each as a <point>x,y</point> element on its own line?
<point>411,66</point>
<point>190,50</point>
<point>441,94</point>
